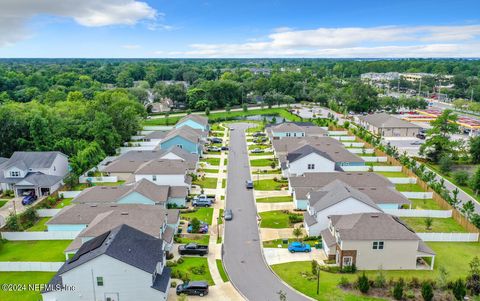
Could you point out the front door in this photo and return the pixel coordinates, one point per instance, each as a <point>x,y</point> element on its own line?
<point>111,297</point>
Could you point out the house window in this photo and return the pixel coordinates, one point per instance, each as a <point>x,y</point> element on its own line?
<point>14,173</point>
<point>347,261</point>
<point>99,281</point>
<point>311,166</point>
<point>288,134</point>
<point>154,178</point>
<point>378,245</point>
<point>179,145</point>
<point>294,134</point>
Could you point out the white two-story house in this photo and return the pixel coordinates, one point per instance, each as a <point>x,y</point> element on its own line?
<point>165,172</point>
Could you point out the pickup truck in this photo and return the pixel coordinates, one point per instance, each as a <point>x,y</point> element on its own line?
<point>193,249</point>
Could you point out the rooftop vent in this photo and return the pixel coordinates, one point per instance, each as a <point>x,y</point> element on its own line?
<point>124,213</point>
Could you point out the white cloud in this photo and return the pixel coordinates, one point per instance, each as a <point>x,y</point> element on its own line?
<point>385,41</point>
<point>14,14</point>
<point>131,46</point>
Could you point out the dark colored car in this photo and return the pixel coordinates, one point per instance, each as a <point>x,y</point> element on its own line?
<point>228,215</point>
<point>224,148</point>
<point>193,288</point>
<point>421,136</point>
<point>258,134</point>
<point>29,199</point>
<point>193,249</point>
<point>249,184</point>
<point>216,140</point>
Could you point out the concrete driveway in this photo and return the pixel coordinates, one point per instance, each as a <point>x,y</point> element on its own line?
<point>243,257</point>
<point>282,255</point>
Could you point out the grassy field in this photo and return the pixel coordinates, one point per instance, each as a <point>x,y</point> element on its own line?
<point>34,250</point>
<point>203,214</point>
<point>221,270</point>
<point>63,203</point>
<point>262,162</point>
<point>201,239</point>
<point>409,187</point>
<point>189,264</point>
<point>40,225</point>
<point>448,225</point>
<point>274,219</point>
<point>206,182</point>
<point>212,161</point>
<point>397,174</point>
<point>276,199</point>
<point>426,204</point>
<point>82,186</point>
<point>269,184</point>
<point>3,202</point>
<point>23,278</point>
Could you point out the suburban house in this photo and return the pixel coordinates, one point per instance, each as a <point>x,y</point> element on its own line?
<point>120,264</point>
<point>376,186</point>
<point>295,129</point>
<point>334,199</point>
<point>375,241</point>
<point>164,172</point>
<point>94,219</point>
<point>187,138</point>
<point>39,172</point>
<point>155,136</point>
<point>289,144</point>
<point>141,192</point>
<point>125,165</point>
<point>387,125</point>
<point>318,157</point>
<point>195,122</point>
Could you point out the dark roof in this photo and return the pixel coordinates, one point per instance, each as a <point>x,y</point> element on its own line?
<point>162,280</point>
<point>305,151</point>
<point>327,237</point>
<point>123,243</point>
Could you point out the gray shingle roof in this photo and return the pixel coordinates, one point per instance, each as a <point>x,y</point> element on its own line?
<point>384,120</point>
<point>354,179</point>
<point>162,167</point>
<point>195,117</point>
<point>327,237</point>
<point>33,160</point>
<point>333,152</point>
<point>39,179</point>
<point>156,135</point>
<point>371,226</point>
<point>289,144</point>
<point>187,133</point>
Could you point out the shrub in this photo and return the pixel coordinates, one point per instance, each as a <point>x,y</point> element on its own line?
<point>414,283</point>
<point>180,260</point>
<point>314,267</point>
<point>171,264</point>
<point>427,291</point>
<point>459,290</point>
<point>13,223</point>
<point>461,177</point>
<point>398,289</point>
<point>169,256</point>
<point>344,283</point>
<point>200,270</point>
<point>349,269</point>
<point>195,223</point>
<point>363,283</point>
<point>173,284</point>
<point>29,217</point>
<point>295,218</point>
<point>445,163</point>
<point>380,280</point>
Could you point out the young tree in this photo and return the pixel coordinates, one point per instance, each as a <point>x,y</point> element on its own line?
<point>398,289</point>
<point>445,164</point>
<point>459,290</point>
<point>473,279</point>
<point>245,108</point>
<point>439,142</point>
<point>475,181</point>
<point>427,291</point>
<point>297,232</point>
<point>428,223</point>
<point>468,209</point>
<point>195,223</point>
<point>207,111</point>
<point>363,284</point>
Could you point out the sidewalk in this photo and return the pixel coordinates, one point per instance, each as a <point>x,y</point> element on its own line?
<point>262,207</point>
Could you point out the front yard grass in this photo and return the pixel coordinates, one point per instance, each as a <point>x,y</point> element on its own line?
<point>39,225</point>
<point>220,217</point>
<point>261,154</point>
<point>191,266</point>
<point>210,170</point>
<point>447,225</point>
<point>224,183</point>
<point>221,270</point>
<point>23,278</point>
<point>276,219</point>
<point>34,250</point>
<point>201,239</point>
<point>3,202</point>
<point>260,146</point>
<point>275,199</point>
<point>82,186</point>
<point>262,162</point>
<point>212,161</point>
<point>269,184</point>
<point>425,204</point>
<point>206,182</point>
<point>63,203</point>
<point>409,187</point>
<point>203,214</point>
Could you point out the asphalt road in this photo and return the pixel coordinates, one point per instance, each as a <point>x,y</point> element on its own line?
<point>243,256</point>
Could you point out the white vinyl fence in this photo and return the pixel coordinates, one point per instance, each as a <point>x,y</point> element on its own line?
<point>53,235</point>
<point>361,150</point>
<point>387,168</point>
<point>355,168</point>
<point>374,159</point>
<point>69,194</point>
<point>402,180</point>
<point>48,212</point>
<point>446,237</point>
<point>343,138</point>
<point>417,195</point>
<point>141,143</point>
<point>353,144</point>
<point>85,179</point>
<point>419,213</point>
<point>337,133</point>
<point>30,266</point>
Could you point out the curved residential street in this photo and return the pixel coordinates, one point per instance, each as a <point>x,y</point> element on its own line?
<point>243,256</point>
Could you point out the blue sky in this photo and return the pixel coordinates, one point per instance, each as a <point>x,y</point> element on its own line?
<point>190,28</point>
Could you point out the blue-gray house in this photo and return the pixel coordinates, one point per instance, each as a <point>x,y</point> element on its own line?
<point>194,121</point>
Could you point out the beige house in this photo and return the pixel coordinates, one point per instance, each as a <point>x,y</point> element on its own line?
<point>388,126</point>
<point>375,240</point>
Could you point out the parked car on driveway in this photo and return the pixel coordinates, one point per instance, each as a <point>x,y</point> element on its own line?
<point>259,134</point>
<point>202,201</point>
<point>421,136</point>
<point>193,249</point>
<point>195,288</point>
<point>249,184</point>
<point>202,230</point>
<point>214,149</point>
<point>224,148</point>
<point>216,140</point>
<point>228,215</point>
<point>299,247</point>
<point>29,199</point>
<point>257,151</point>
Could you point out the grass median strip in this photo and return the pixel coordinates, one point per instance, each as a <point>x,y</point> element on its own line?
<point>200,239</point>
<point>262,162</point>
<point>221,270</point>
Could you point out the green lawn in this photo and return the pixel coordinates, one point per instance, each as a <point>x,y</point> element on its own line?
<point>63,203</point>
<point>201,239</point>
<point>188,266</point>
<point>203,214</point>
<point>260,146</point>
<point>220,217</point>
<point>262,154</point>
<point>397,174</point>
<point>40,225</point>
<point>409,187</point>
<point>276,199</point>
<point>23,278</point>
<point>206,182</point>
<point>279,242</point>
<point>82,186</point>
<point>262,162</point>
<point>34,250</point>
<point>274,219</point>
<point>216,127</point>
<point>224,183</point>
<point>269,184</point>
<point>378,164</point>
<point>212,161</point>
<point>3,202</point>
<point>268,171</point>
<point>426,204</point>
<point>221,270</point>
<point>210,170</point>
<point>448,225</point>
